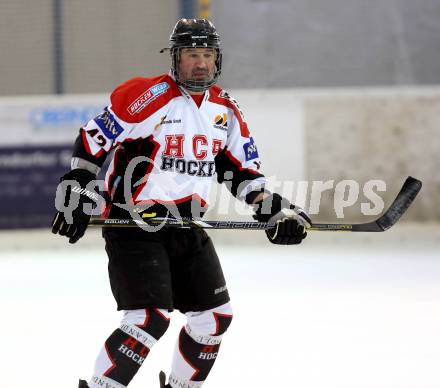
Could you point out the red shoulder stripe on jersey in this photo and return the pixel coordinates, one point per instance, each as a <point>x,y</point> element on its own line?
<point>137,99</point>
<point>215,97</point>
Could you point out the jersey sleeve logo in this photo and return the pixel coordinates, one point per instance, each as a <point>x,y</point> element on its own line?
<point>108,125</point>
<point>250,150</point>
<point>147,97</point>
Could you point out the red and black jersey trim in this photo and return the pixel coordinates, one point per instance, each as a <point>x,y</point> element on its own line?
<point>230,170</point>
<point>82,150</point>
<point>218,96</point>
<point>126,152</point>
<point>189,206</point>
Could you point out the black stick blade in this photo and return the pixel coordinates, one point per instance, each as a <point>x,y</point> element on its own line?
<point>406,196</point>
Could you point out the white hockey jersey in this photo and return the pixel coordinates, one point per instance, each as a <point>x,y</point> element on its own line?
<point>167,149</point>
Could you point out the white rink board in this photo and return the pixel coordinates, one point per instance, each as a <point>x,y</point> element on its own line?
<point>340,311</point>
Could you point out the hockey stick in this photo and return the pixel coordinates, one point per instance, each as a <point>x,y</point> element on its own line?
<point>401,203</point>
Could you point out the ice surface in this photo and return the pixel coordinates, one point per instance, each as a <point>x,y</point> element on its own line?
<point>338,312</point>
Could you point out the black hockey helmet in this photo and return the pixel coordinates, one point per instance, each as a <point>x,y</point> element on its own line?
<point>195,33</point>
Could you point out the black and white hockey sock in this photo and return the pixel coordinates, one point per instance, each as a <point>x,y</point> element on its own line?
<point>128,346</point>
<point>198,345</point>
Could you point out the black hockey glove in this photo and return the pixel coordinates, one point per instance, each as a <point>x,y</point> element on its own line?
<point>290,220</point>
<point>73,193</point>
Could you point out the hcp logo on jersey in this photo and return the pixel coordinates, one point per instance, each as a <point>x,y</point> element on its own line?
<point>109,126</point>
<point>221,122</point>
<point>150,95</point>
<point>250,150</point>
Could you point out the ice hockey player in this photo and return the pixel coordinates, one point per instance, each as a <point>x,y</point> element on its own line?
<point>172,135</point>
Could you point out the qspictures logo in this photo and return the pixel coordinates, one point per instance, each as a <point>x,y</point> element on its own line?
<point>147,97</point>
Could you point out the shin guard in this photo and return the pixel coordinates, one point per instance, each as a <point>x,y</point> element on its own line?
<point>127,347</point>
<point>198,345</point>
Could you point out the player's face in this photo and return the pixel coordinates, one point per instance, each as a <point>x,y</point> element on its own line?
<point>196,64</point>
